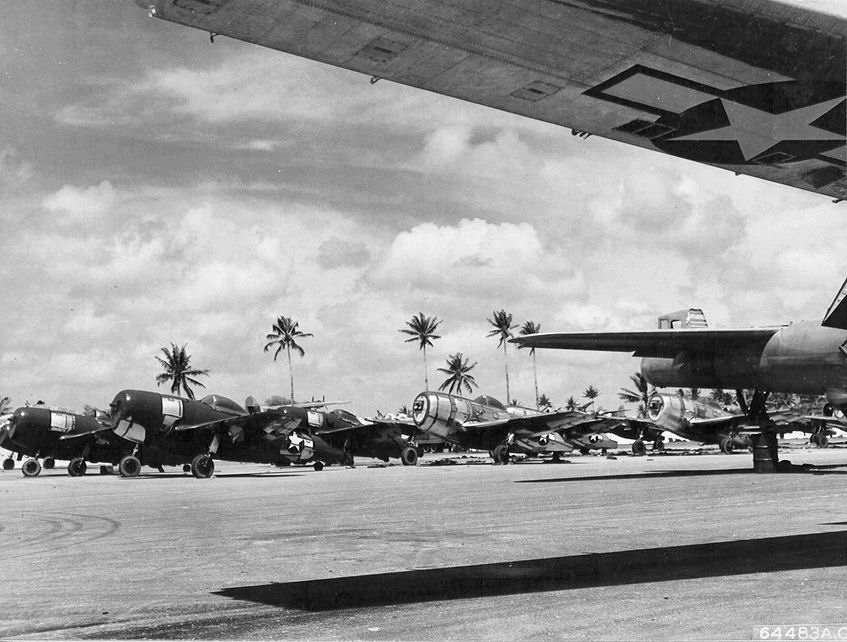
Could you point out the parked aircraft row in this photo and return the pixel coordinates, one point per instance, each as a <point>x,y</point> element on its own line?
<point>146,428</point>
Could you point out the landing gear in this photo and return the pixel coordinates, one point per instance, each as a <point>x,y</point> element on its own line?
<point>31,468</point>
<point>819,436</point>
<point>658,444</point>
<point>49,463</point>
<point>638,448</point>
<point>318,466</point>
<point>727,446</point>
<point>129,466</point>
<point>501,454</point>
<point>77,467</point>
<point>186,468</point>
<point>8,463</point>
<point>202,466</point>
<point>409,456</point>
<point>557,458</point>
<point>584,451</point>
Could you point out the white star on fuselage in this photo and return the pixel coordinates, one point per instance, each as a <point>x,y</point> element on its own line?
<point>756,131</point>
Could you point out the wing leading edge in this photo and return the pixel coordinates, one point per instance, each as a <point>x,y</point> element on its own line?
<point>649,343</point>
<point>754,86</point>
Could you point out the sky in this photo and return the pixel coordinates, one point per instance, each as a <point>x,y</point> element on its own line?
<point>156,188</point>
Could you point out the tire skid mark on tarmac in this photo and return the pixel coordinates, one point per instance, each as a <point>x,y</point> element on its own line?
<point>65,529</point>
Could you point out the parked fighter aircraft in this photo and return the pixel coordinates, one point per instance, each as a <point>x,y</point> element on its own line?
<point>167,429</point>
<point>753,86</point>
<point>38,432</point>
<point>486,424</point>
<point>804,357</point>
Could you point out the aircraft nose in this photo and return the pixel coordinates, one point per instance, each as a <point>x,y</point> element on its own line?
<point>420,408</point>
<point>655,406</point>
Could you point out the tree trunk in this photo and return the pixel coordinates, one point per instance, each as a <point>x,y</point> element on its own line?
<point>535,378</point>
<point>290,372</point>
<point>506,364</point>
<point>426,374</point>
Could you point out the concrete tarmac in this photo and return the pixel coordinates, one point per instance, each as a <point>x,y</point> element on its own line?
<point>673,546</point>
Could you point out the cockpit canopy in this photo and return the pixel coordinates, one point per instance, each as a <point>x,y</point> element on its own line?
<point>488,400</point>
<point>222,404</point>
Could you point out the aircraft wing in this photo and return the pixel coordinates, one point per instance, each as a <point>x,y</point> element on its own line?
<point>754,86</point>
<point>85,433</point>
<point>649,343</point>
<point>536,425</point>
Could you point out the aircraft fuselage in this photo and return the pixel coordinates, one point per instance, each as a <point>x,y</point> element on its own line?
<point>804,358</point>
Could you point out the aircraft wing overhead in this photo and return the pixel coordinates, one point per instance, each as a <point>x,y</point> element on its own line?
<point>753,86</point>
<point>649,343</point>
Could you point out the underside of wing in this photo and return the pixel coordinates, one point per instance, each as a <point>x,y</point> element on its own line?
<point>752,86</point>
<point>650,343</point>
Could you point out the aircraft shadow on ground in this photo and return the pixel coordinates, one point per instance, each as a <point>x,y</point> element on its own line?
<point>816,470</point>
<point>719,559</point>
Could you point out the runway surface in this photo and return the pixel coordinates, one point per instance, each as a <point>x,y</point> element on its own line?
<point>659,547</point>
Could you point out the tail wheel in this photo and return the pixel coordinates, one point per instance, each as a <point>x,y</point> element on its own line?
<point>186,468</point>
<point>318,466</point>
<point>638,448</point>
<point>501,454</point>
<point>130,466</point>
<point>8,463</point>
<point>726,446</point>
<point>49,463</point>
<point>409,456</point>
<point>31,468</point>
<point>77,467</point>
<point>202,466</point>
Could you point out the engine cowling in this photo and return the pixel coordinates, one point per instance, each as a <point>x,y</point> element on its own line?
<point>443,415</point>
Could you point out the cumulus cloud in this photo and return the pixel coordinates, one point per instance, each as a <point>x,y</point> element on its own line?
<point>91,202</point>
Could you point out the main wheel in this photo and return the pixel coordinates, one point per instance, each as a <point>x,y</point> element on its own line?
<point>31,468</point>
<point>501,454</point>
<point>409,456</point>
<point>318,466</point>
<point>8,463</point>
<point>638,448</point>
<point>129,466</point>
<point>727,446</point>
<point>77,467</point>
<point>823,441</point>
<point>49,463</point>
<point>658,444</point>
<point>202,466</point>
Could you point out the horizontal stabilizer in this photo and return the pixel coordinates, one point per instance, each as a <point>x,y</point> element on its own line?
<point>836,315</point>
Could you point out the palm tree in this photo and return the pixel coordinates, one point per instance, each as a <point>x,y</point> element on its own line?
<point>640,395</point>
<point>457,372</point>
<point>422,329</point>
<point>571,404</point>
<point>284,335</point>
<point>5,405</point>
<point>503,327</point>
<point>543,402</point>
<point>178,370</point>
<point>531,327</point>
<point>591,393</point>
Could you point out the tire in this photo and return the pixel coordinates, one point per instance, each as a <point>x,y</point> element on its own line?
<point>129,466</point>
<point>584,451</point>
<point>727,446</point>
<point>409,456</point>
<point>8,463</point>
<point>823,441</point>
<point>202,466</point>
<point>638,448</point>
<point>49,463</point>
<point>318,466</point>
<point>77,467</point>
<point>658,444</point>
<point>186,468</point>
<point>501,454</point>
<point>31,468</point>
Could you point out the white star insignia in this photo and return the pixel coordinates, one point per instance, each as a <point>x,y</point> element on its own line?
<point>756,131</point>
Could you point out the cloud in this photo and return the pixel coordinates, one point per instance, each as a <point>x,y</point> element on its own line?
<point>89,202</point>
<point>14,172</point>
